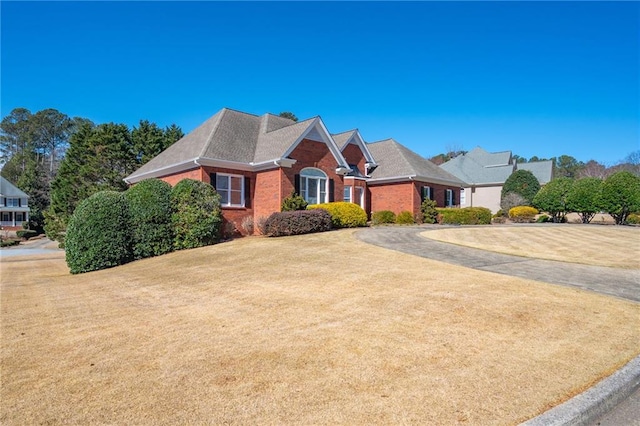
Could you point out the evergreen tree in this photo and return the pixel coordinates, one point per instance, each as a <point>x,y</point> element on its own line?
<point>523,183</point>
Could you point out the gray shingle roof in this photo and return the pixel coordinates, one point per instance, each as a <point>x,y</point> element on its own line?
<point>395,161</point>
<point>7,189</point>
<point>343,138</point>
<point>542,170</point>
<point>481,167</point>
<point>230,136</point>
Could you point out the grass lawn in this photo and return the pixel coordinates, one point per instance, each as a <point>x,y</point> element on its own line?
<point>315,329</point>
<point>613,246</point>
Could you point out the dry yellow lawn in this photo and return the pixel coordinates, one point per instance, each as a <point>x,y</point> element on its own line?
<point>316,329</point>
<point>614,246</point>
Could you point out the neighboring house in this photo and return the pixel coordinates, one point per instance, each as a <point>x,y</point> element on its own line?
<point>255,162</point>
<point>14,206</point>
<point>486,172</point>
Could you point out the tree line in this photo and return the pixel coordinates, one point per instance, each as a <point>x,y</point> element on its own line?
<point>618,195</point>
<point>60,160</point>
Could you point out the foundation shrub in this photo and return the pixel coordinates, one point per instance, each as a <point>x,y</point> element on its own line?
<point>543,218</point>
<point>150,212</point>
<point>26,233</point>
<point>343,214</point>
<point>382,217</point>
<point>293,202</point>
<point>195,214</point>
<point>297,222</point>
<point>429,210</point>
<point>523,214</point>
<point>465,216</point>
<point>98,234</point>
<point>405,218</point>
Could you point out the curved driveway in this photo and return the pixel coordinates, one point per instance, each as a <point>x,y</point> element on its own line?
<point>617,282</point>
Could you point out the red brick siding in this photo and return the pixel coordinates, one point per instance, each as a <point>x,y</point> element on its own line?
<point>173,179</point>
<point>396,197</point>
<point>354,155</point>
<point>312,154</point>
<point>362,184</point>
<point>235,215</point>
<point>267,197</point>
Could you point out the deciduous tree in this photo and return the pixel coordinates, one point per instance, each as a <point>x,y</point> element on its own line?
<point>552,198</point>
<point>584,198</point>
<point>620,195</point>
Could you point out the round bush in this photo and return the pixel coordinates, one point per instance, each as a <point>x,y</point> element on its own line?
<point>405,218</point>
<point>522,214</point>
<point>98,233</point>
<point>383,216</point>
<point>297,222</point>
<point>195,214</point>
<point>344,214</point>
<point>521,182</point>
<point>150,212</point>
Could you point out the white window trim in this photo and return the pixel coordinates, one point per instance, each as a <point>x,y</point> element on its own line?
<point>350,193</point>
<point>361,202</point>
<point>304,185</point>
<point>449,200</point>
<point>229,176</point>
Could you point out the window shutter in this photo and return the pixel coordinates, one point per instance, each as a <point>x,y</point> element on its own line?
<point>331,190</point>
<point>247,192</point>
<point>212,178</point>
<point>296,184</point>
<point>19,202</point>
<point>453,197</point>
<point>423,194</point>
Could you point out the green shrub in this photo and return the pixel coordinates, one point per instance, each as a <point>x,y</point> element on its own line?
<point>383,216</point>
<point>195,214</point>
<point>633,219</point>
<point>150,212</point>
<point>499,213</point>
<point>584,198</point>
<point>97,235</point>
<point>343,214</point>
<point>9,243</point>
<point>293,202</point>
<point>465,216</point>
<point>552,198</point>
<point>523,183</point>
<point>543,219</point>
<point>297,222</point>
<point>429,211</point>
<point>522,214</point>
<point>405,218</point>
<point>54,227</point>
<point>26,233</point>
<point>620,195</point>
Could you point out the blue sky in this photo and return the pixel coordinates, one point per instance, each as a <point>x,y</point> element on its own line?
<point>537,78</point>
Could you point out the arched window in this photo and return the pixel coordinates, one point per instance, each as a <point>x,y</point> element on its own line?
<point>313,185</point>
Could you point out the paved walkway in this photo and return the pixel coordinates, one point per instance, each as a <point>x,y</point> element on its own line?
<point>407,239</point>
<point>31,247</point>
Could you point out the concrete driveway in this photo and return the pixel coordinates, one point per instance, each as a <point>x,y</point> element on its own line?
<point>616,282</point>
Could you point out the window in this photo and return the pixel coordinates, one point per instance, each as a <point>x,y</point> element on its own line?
<point>13,202</point>
<point>450,200</point>
<point>426,193</point>
<point>19,217</point>
<point>347,193</point>
<point>313,186</point>
<point>463,197</point>
<point>231,189</point>
<point>359,197</point>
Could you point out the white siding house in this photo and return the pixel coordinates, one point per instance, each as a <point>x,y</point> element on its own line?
<point>14,205</point>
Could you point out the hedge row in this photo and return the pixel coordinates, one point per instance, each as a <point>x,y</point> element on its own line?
<point>297,222</point>
<point>464,216</point>
<point>112,228</point>
<point>343,214</point>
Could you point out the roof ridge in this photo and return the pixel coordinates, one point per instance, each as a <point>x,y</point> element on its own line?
<point>205,145</point>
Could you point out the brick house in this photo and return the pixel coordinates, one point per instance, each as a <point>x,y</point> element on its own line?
<point>254,162</point>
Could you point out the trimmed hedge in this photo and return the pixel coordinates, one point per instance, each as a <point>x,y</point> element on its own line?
<point>297,222</point>
<point>150,212</point>
<point>343,214</point>
<point>429,210</point>
<point>26,233</point>
<point>383,216</point>
<point>523,214</point>
<point>465,216</point>
<point>405,218</point>
<point>195,214</point>
<point>98,235</point>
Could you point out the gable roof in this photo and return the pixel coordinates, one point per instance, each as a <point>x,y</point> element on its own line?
<point>397,162</point>
<point>7,189</point>
<point>354,137</point>
<point>235,139</point>
<point>478,167</point>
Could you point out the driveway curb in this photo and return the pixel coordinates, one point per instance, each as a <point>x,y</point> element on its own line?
<point>587,407</point>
